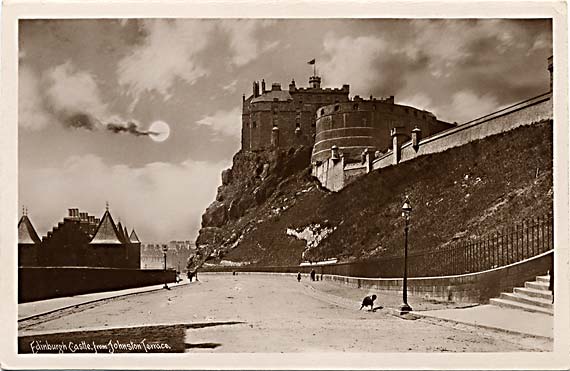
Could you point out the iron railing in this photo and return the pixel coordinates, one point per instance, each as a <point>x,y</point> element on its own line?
<point>511,244</point>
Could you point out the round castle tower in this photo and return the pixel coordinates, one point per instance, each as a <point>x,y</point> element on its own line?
<point>359,125</point>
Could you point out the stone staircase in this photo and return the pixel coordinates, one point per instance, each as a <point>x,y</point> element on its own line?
<point>533,297</point>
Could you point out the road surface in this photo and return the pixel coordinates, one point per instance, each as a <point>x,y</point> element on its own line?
<point>260,313</point>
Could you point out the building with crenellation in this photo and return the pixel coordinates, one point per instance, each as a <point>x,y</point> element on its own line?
<point>80,240</point>
<point>325,117</point>
<point>284,118</point>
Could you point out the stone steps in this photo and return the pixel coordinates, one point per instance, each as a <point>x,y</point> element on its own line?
<point>515,305</point>
<point>521,298</point>
<point>537,285</point>
<point>543,294</point>
<point>533,297</point>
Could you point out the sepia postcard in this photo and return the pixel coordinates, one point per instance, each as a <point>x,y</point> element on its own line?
<point>296,185</point>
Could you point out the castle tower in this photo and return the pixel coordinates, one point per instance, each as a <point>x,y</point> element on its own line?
<point>315,82</point>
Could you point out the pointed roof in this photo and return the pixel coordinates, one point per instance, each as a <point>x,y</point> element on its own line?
<point>107,232</point>
<point>134,238</point>
<point>121,232</point>
<point>126,234</point>
<point>26,231</point>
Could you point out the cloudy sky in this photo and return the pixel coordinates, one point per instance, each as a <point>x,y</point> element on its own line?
<point>81,78</point>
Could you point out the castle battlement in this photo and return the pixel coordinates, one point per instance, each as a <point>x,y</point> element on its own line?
<point>292,111</point>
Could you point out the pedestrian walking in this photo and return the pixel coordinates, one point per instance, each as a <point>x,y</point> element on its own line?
<point>299,277</point>
<point>313,274</point>
<point>551,274</point>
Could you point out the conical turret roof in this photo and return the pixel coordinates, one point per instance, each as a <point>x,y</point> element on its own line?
<point>134,238</point>
<point>107,232</point>
<point>126,234</point>
<point>26,232</point>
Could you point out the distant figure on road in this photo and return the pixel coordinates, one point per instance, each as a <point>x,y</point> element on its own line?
<point>369,300</point>
<point>299,277</point>
<point>313,274</point>
<point>551,274</point>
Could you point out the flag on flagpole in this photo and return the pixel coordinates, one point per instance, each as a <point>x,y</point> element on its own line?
<point>312,61</point>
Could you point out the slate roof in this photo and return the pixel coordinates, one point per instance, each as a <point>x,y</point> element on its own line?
<point>107,232</point>
<point>126,234</point>
<point>269,96</point>
<point>26,231</point>
<point>134,238</point>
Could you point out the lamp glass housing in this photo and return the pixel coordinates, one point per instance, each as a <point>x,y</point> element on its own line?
<point>406,209</point>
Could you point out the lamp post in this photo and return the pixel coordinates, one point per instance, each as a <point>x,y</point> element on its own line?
<point>164,250</point>
<point>406,212</point>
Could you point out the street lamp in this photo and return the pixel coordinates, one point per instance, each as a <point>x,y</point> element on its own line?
<point>164,250</point>
<point>406,212</point>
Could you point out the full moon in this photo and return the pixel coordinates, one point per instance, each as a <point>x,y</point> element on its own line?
<point>159,131</point>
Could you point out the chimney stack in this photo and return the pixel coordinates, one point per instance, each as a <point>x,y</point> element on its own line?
<point>275,137</point>
<point>262,86</point>
<point>334,153</point>
<point>416,137</point>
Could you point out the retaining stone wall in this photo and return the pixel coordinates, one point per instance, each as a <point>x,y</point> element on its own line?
<point>35,283</point>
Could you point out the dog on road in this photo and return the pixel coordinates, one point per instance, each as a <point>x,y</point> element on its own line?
<point>369,300</point>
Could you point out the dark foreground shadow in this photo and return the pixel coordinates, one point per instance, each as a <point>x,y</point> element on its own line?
<point>211,324</point>
<point>377,308</point>
<point>202,345</point>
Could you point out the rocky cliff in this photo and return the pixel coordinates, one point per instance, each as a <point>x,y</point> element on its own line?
<point>270,211</point>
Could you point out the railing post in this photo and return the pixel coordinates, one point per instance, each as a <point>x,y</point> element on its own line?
<point>525,233</point>
<point>500,247</point>
<point>542,236</point>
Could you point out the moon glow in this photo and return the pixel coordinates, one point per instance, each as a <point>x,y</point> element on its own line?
<point>160,131</point>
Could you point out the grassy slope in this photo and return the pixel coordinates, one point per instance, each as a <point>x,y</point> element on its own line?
<point>468,191</point>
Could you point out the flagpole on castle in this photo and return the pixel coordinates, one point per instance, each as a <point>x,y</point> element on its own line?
<point>313,62</point>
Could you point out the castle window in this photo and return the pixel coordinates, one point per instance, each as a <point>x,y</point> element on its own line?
<point>337,107</point>
<point>355,106</point>
<point>275,122</point>
<point>254,124</point>
<point>322,111</point>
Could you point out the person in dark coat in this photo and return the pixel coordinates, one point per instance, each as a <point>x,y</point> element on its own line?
<point>299,277</point>
<point>551,274</point>
<point>369,300</point>
<point>313,274</point>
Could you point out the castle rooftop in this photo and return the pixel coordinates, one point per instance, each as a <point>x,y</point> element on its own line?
<point>272,96</point>
<point>26,232</point>
<point>107,232</point>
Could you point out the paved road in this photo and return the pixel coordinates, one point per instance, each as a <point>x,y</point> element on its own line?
<point>277,314</point>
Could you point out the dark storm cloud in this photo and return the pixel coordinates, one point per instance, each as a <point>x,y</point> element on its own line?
<point>394,71</point>
<point>80,121</point>
<point>128,127</point>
